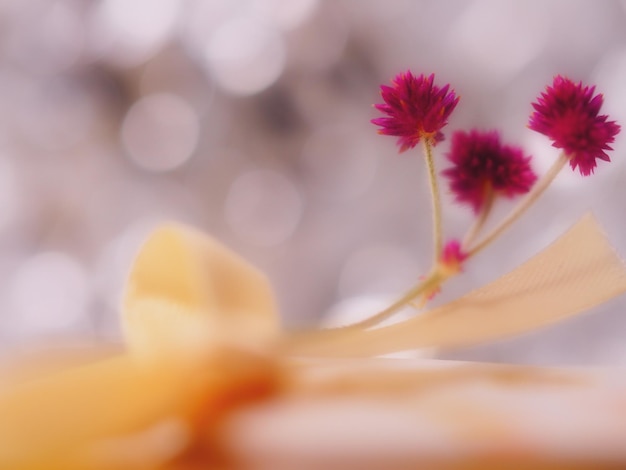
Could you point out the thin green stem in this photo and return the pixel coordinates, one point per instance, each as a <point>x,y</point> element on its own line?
<point>436,201</point>
<point>534,194</point>
<point>435,279</point>
<point>431,282</point>
<point>437,276</point>
<point>480,221</point>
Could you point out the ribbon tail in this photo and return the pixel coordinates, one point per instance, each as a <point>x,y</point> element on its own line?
<point>578,271</point>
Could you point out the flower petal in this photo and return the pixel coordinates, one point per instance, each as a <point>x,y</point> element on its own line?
<point>567,113</point>
<point>482,166</point>
<point>416,109</point>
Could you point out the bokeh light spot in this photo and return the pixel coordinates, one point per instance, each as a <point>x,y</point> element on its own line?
<point>10,194</point>
<point>339,163</point>
<point>288,14</point>
<point>49,293</point>
<point>502,24</point>
<point>263,207</point>
<point>160,132</point>
<point>245,55</point>
<point>377,268</point>
<point>131,32</point>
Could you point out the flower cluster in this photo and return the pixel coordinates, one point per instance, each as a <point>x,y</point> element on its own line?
<point>417,109</point>
<point>203,341</point>
<point>568,113</point>
<point>483,168</point>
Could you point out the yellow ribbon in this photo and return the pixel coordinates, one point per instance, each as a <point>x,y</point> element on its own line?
<point>202,338</point>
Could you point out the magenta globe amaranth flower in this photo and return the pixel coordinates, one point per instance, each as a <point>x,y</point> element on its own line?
<point>416,109</point>
<point>483,167</point>
<point>452,256</point>
<point>568,113</point>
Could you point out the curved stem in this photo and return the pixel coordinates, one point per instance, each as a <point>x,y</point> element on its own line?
<point>435,279</point>
<point>537,190</point>
<point>480,221</point>
<point>436,201</point>
<point>431,282</point>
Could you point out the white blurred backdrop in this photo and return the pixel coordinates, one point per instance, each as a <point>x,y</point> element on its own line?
<point>249,119</point>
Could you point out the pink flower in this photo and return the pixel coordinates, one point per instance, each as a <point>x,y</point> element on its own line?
<point>450,263</point>
<point>568,114</point>
<point>416,109</point>
<point>452,257</point>
<point>483,167</point>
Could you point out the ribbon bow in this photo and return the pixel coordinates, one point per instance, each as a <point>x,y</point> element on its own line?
<point>203,339</point>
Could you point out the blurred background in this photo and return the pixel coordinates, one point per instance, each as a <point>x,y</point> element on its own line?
<point>249,119</point>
